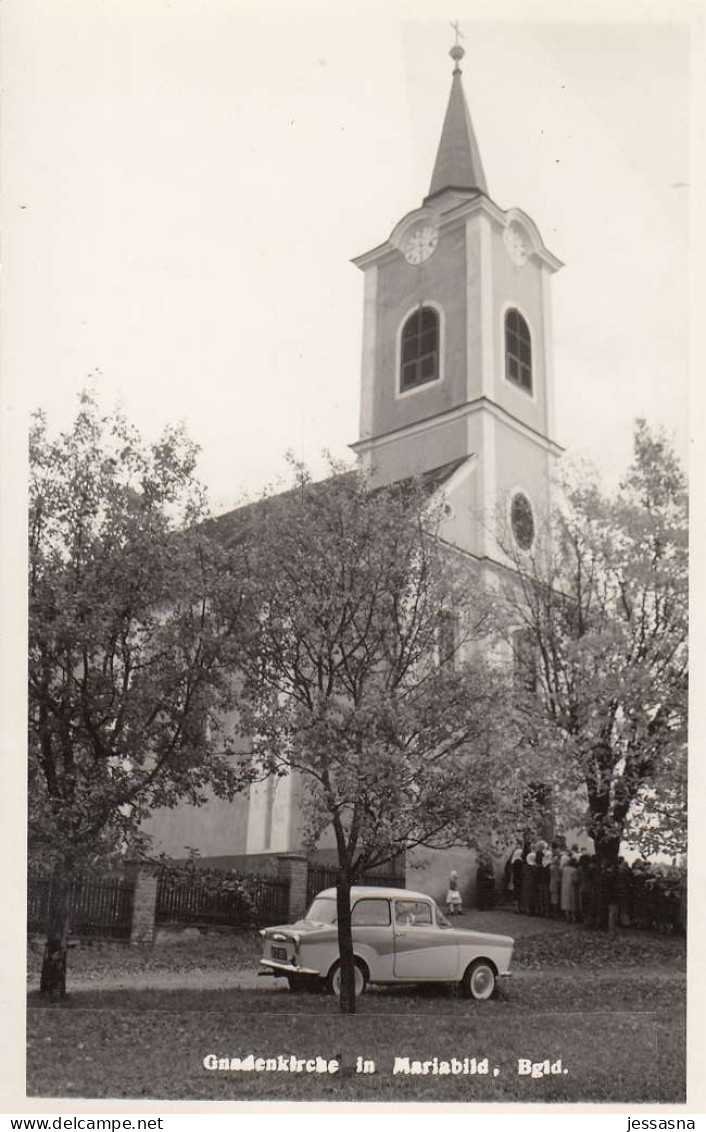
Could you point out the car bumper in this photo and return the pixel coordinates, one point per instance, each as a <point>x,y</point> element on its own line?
<point>272,967</point>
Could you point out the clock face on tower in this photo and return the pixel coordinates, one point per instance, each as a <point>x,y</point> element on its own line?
<point>420,244</point>
<point>515,244</point>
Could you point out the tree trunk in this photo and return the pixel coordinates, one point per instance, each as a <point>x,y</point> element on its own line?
<point>53,977</point>
<point>345,941</point>
<point>607,848</point>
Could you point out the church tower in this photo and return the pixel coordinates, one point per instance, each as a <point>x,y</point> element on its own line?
<point>457,379</point>
<point>457,387</point>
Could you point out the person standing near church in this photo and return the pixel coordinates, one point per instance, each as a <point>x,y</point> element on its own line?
<point>543,861</point>
<point>568,891</point>
<point>529,884</point>
<point>516,867</point>
<point>454,904</point>
<point>555,885</point>
<point>485,882</point>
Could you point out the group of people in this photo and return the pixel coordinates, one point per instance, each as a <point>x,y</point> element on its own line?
<point>569,884</point>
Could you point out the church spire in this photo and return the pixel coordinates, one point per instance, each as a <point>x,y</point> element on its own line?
<point>458,164</point>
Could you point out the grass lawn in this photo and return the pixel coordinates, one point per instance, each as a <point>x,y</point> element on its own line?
<point>615,1056</point>
<point>611,1010</point>
<point>539,944</point>
<point>96,959</point>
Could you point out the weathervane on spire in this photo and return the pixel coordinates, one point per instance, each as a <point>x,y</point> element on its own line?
<point>457,51</point>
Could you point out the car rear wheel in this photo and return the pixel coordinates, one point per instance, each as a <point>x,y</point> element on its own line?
<point>479,980</point>
<point>360,980</point>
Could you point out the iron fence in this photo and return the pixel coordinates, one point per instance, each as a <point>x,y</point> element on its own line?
<point>97,906</point>
<point>221,899</point>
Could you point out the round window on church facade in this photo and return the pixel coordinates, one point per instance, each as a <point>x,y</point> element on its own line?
<point>522,521</point>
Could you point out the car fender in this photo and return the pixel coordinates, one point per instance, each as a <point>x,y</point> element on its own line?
<point>474,959</point>
<point>499,959</point>
<point>359,958</point>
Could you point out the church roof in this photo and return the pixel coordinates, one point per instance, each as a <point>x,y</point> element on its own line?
<point>435,478</point>
<point>458,164</point>
<point>231,527</point>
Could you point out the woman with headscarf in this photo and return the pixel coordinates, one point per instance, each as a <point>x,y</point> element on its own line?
<point>529,884</point>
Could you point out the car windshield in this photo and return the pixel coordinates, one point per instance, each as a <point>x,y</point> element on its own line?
<point>323,910</point>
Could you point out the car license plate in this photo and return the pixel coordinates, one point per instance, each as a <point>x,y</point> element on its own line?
<point>279,952</point>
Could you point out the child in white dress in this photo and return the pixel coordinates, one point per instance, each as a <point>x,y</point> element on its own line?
<point>454,904</point>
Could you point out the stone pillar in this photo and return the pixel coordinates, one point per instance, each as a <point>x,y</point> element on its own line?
<point>144,908</point>
<point>294,867</point>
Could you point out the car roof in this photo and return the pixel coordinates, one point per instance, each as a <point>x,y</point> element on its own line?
<point>358,890</point>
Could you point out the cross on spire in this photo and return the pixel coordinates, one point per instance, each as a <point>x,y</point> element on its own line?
<point>457,31</point>
<point>457,51</point>
<point>458,164</point>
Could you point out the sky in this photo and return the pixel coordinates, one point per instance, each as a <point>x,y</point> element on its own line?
<point>188,185</point>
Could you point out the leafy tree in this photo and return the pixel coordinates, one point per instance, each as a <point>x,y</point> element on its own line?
<point>364,682</point>
<point>601,598</point>
<point>133,622</point>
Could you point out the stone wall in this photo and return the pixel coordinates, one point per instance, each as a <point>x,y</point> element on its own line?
<point>144,907</point>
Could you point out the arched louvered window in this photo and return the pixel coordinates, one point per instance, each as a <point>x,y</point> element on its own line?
<point>420,349</point>
<point>518,351</point>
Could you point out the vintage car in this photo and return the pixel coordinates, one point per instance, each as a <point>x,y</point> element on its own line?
<point>399,936</point>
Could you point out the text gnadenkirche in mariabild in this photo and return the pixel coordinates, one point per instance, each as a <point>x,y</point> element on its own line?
<point>402,1066</point>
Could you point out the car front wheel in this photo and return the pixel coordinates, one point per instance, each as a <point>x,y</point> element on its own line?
<point>479,980</point>
<point>359,985</point>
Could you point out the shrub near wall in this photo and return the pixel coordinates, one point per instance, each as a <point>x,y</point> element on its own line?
<point>192,896</point>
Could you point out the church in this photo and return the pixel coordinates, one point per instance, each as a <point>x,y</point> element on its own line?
<point>457,386</point>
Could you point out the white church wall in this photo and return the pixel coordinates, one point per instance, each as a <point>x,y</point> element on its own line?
<point>521,464</point>
<point>217,828</point>
<point>270,818</point>
<point>404,456</point>
<point>461,508</point>
<point>427,870</point>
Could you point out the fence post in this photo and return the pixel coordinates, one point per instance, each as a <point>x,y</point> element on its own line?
<point>144,908</point>
<point>293,867</point>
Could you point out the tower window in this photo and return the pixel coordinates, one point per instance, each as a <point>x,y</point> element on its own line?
<point>518,351</point>
<point>420,349</point>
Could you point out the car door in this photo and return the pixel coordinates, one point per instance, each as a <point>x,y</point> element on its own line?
<point>423,948</point>
<point>371,923</point>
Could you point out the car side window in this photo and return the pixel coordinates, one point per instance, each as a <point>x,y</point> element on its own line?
<point>371,913</point>
<point>412,913</point>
